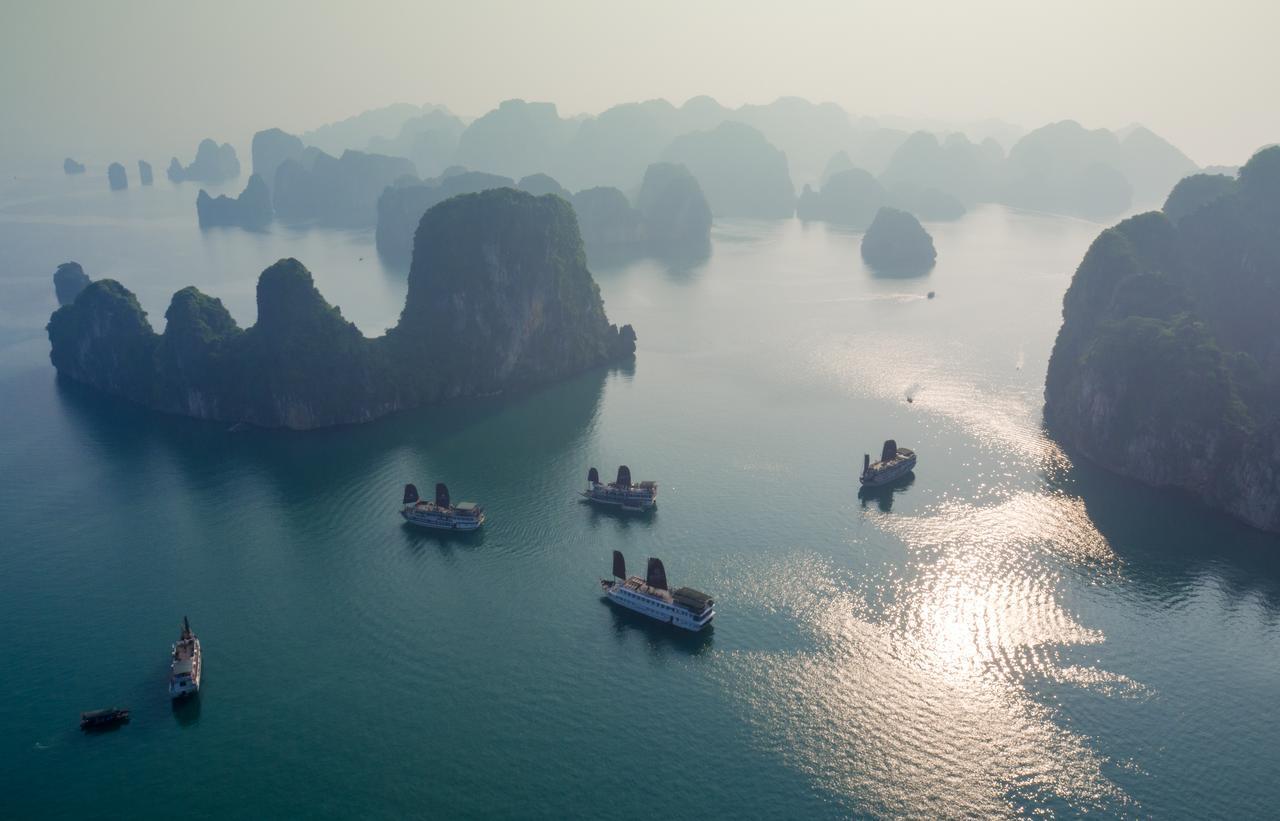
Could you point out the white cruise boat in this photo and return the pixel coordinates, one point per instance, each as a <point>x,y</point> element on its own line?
<point>184,669</point>
<point>683,607</point>
<point>622,493</point>
<point>440,514</point>
<point>895,462</point>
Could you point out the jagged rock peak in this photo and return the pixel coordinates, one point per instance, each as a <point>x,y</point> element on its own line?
<point>68,281</point>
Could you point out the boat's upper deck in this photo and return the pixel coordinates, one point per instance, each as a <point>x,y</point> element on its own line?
<point>690,599</point>
<point>463,510</point>
<point>903,455</point>
<point>641,488</point>
<point>695,601</point>
<point>185,650</point>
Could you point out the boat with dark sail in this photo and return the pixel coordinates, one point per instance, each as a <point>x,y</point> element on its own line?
<point>102,719</point>
<point>622,493</point>
<point>683,607</point>
<point>895,462</point>
<point>440,514</point>
<point>184,668</point>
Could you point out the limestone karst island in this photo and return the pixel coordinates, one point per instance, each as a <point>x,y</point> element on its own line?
<point>651,410</point>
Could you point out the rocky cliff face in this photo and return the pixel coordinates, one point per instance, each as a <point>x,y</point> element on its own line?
<point>852,197</point>
<point>965,170</point>
<point>340,192</point>
<point>103,339</point>
<point>1067,169</point>
<point>607,220</point>
<point>515,139</point>
<point>1195,191</point>
<point>499,298</point>
<point>400,208</point>
<point>428,140</point>
<point>213,163</point>
<point>675,217</point>
<point>896,244</point>
<point>742,174</point>
<point>68,281</point>
<point>499,281</point>
<point>250,210</point>
<point>849,198</point>
<point>270,148</point>
<point>117,178</point>
<point>1167,366</point>
<point>539,184</point>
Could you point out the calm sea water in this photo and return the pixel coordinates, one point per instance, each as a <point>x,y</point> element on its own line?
<point>1009,634</point>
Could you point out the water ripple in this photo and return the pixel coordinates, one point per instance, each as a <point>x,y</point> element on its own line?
<point>914,694</point>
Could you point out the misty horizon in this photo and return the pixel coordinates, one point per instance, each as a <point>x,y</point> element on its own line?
<point>220,74</point>
<point>857,409</point>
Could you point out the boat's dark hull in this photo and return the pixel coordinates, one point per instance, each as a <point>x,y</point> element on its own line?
<point>104,722</point>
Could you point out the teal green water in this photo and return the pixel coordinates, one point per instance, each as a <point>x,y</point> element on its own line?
<point>1010,634</point>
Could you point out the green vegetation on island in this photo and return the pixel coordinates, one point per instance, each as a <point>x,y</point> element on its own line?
<point>1192,192</point>
<point>499,299</point>
<point>1167,366</point>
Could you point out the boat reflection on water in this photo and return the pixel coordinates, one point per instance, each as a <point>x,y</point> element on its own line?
<point>882,495</point>
<point>624,519</point>
<point>658,636</point>
<point>186,711</point>
<point>418,537</point>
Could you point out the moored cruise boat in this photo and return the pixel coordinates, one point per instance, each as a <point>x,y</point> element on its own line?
<point>622,493</point>
<point>895,462</point>
<point>683,607</point>
<point>184,669</point>
<point>440,514</point>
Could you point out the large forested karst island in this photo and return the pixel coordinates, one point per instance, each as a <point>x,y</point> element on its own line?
<point>499,298</point>
<point>1167,366</point>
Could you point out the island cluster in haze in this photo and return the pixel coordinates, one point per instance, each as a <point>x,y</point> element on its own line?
<point>1165,368</point>
<point>755,161</point>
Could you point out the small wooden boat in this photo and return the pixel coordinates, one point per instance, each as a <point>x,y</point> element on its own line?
<point>99,719</point>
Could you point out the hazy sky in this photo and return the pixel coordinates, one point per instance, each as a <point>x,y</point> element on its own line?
<point>147,79</point>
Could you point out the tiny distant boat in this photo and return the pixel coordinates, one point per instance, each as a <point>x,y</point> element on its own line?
<point>184,669</point>
<point>622,493</point>
<point>895,462</point>
<point>440,514</point>
<point>683,607</point>
<point>101,719</point>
